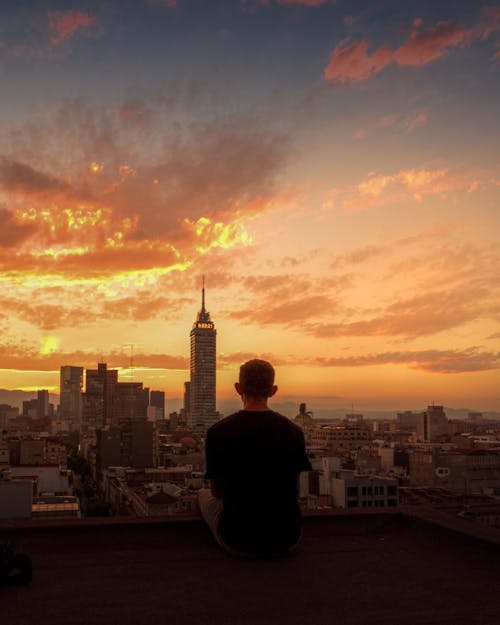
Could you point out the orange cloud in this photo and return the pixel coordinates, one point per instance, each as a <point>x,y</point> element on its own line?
<point>286,313</point>
<point>424,46</point>
<point>114,206</point>
<point>64,24</point>
<point>354,62</point>
<point>13,232</point>
<point>406,185</point>
<point>423,314</point>
<point>25,356</point>
<point>24,180</point>
<point>432,360</point>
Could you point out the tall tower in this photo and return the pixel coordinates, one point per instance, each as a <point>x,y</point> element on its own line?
<point>202,388</point>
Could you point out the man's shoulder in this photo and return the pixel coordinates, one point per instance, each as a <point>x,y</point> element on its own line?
<point>237,419</point>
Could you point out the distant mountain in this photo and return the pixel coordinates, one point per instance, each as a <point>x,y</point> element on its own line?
<point>291,409</point>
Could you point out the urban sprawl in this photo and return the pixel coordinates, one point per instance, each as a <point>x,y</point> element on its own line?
<point>109,449</point>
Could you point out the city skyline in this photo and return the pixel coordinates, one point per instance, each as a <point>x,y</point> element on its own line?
<point>332,168</point>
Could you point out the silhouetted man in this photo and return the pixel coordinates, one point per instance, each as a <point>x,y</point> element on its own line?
<point>254,458</point>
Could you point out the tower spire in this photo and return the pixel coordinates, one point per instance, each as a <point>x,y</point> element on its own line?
<point>203,295</point>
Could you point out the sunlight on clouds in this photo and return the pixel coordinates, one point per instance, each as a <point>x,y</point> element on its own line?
<point>61,252</point>
<point>49,345</point>
<point>66,219</point>
<point>96,168</point>
<point>126,171</point>
<point>413,179</point>
<point>217,234</point>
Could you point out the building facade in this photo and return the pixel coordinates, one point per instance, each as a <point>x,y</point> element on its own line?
<point>70,388</point>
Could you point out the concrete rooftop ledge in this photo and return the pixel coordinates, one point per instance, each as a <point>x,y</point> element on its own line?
<point>373,567</point>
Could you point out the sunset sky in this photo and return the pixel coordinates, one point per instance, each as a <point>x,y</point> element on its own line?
<point>331,168</point>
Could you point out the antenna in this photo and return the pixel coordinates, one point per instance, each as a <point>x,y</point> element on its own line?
<point>203,294</point>
<point>131,365</point>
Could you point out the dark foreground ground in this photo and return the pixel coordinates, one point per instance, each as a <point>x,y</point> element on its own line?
<point>375,569</point>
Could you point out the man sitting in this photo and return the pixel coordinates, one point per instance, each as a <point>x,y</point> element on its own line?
<point>254,458</point>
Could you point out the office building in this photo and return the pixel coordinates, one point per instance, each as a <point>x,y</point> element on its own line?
<point>100,383</point>
<point>70,389</point>
<point>157,402</point>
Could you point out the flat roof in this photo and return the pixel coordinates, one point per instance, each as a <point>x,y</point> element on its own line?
<point>350,569</point>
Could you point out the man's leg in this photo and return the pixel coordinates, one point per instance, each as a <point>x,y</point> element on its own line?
<point>211,509</point>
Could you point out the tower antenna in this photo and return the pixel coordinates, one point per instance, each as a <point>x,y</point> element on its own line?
<point>131,366</point>
<point>203,294</point>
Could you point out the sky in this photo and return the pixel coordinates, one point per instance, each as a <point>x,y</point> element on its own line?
<point>331,167</point>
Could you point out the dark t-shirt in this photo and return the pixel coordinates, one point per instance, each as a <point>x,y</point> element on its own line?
<point>256,458</point>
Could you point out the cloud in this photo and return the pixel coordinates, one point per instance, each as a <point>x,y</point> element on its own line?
<point>64,24</point>
<point>423,314</point>
<point>22,179</point>
<point>424,46</point>
<point>397,122</point>
<point>238,358</point>
<point>432,360</point>
<point>12,233</point>
<point>357,61</point>
<point>104,203</point>
<point>29,357</point>
<point>286,313</point>
<point>353,63</point>
<point>407,185</point>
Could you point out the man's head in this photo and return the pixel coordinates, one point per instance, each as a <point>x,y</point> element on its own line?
<point>256,380</point>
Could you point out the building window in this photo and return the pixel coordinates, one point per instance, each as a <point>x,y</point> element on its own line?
<point>392,490</point>
<point>352,491</point>
<point>392,502</point>
<point>353,503</point>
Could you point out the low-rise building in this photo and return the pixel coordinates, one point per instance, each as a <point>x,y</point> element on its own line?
<point>465,471</point>
<point>339,438</point>
<point>353,490</point>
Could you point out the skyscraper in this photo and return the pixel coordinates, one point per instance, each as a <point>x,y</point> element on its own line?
<point>70,389</point>
<point>203,354</point>
<point>157,400</point>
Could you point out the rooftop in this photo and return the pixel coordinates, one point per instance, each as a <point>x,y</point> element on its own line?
<point>374,567</point>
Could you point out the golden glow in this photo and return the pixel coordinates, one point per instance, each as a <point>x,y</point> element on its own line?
<point>96,168</point>
<point>125,171</point>
<point>67,219</point>
<point>217,234</point>
<point>61,252</point>
<point>49,345</point>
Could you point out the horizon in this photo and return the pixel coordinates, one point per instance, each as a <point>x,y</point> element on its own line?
<point>289,405</point>
<point>330,167</point>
